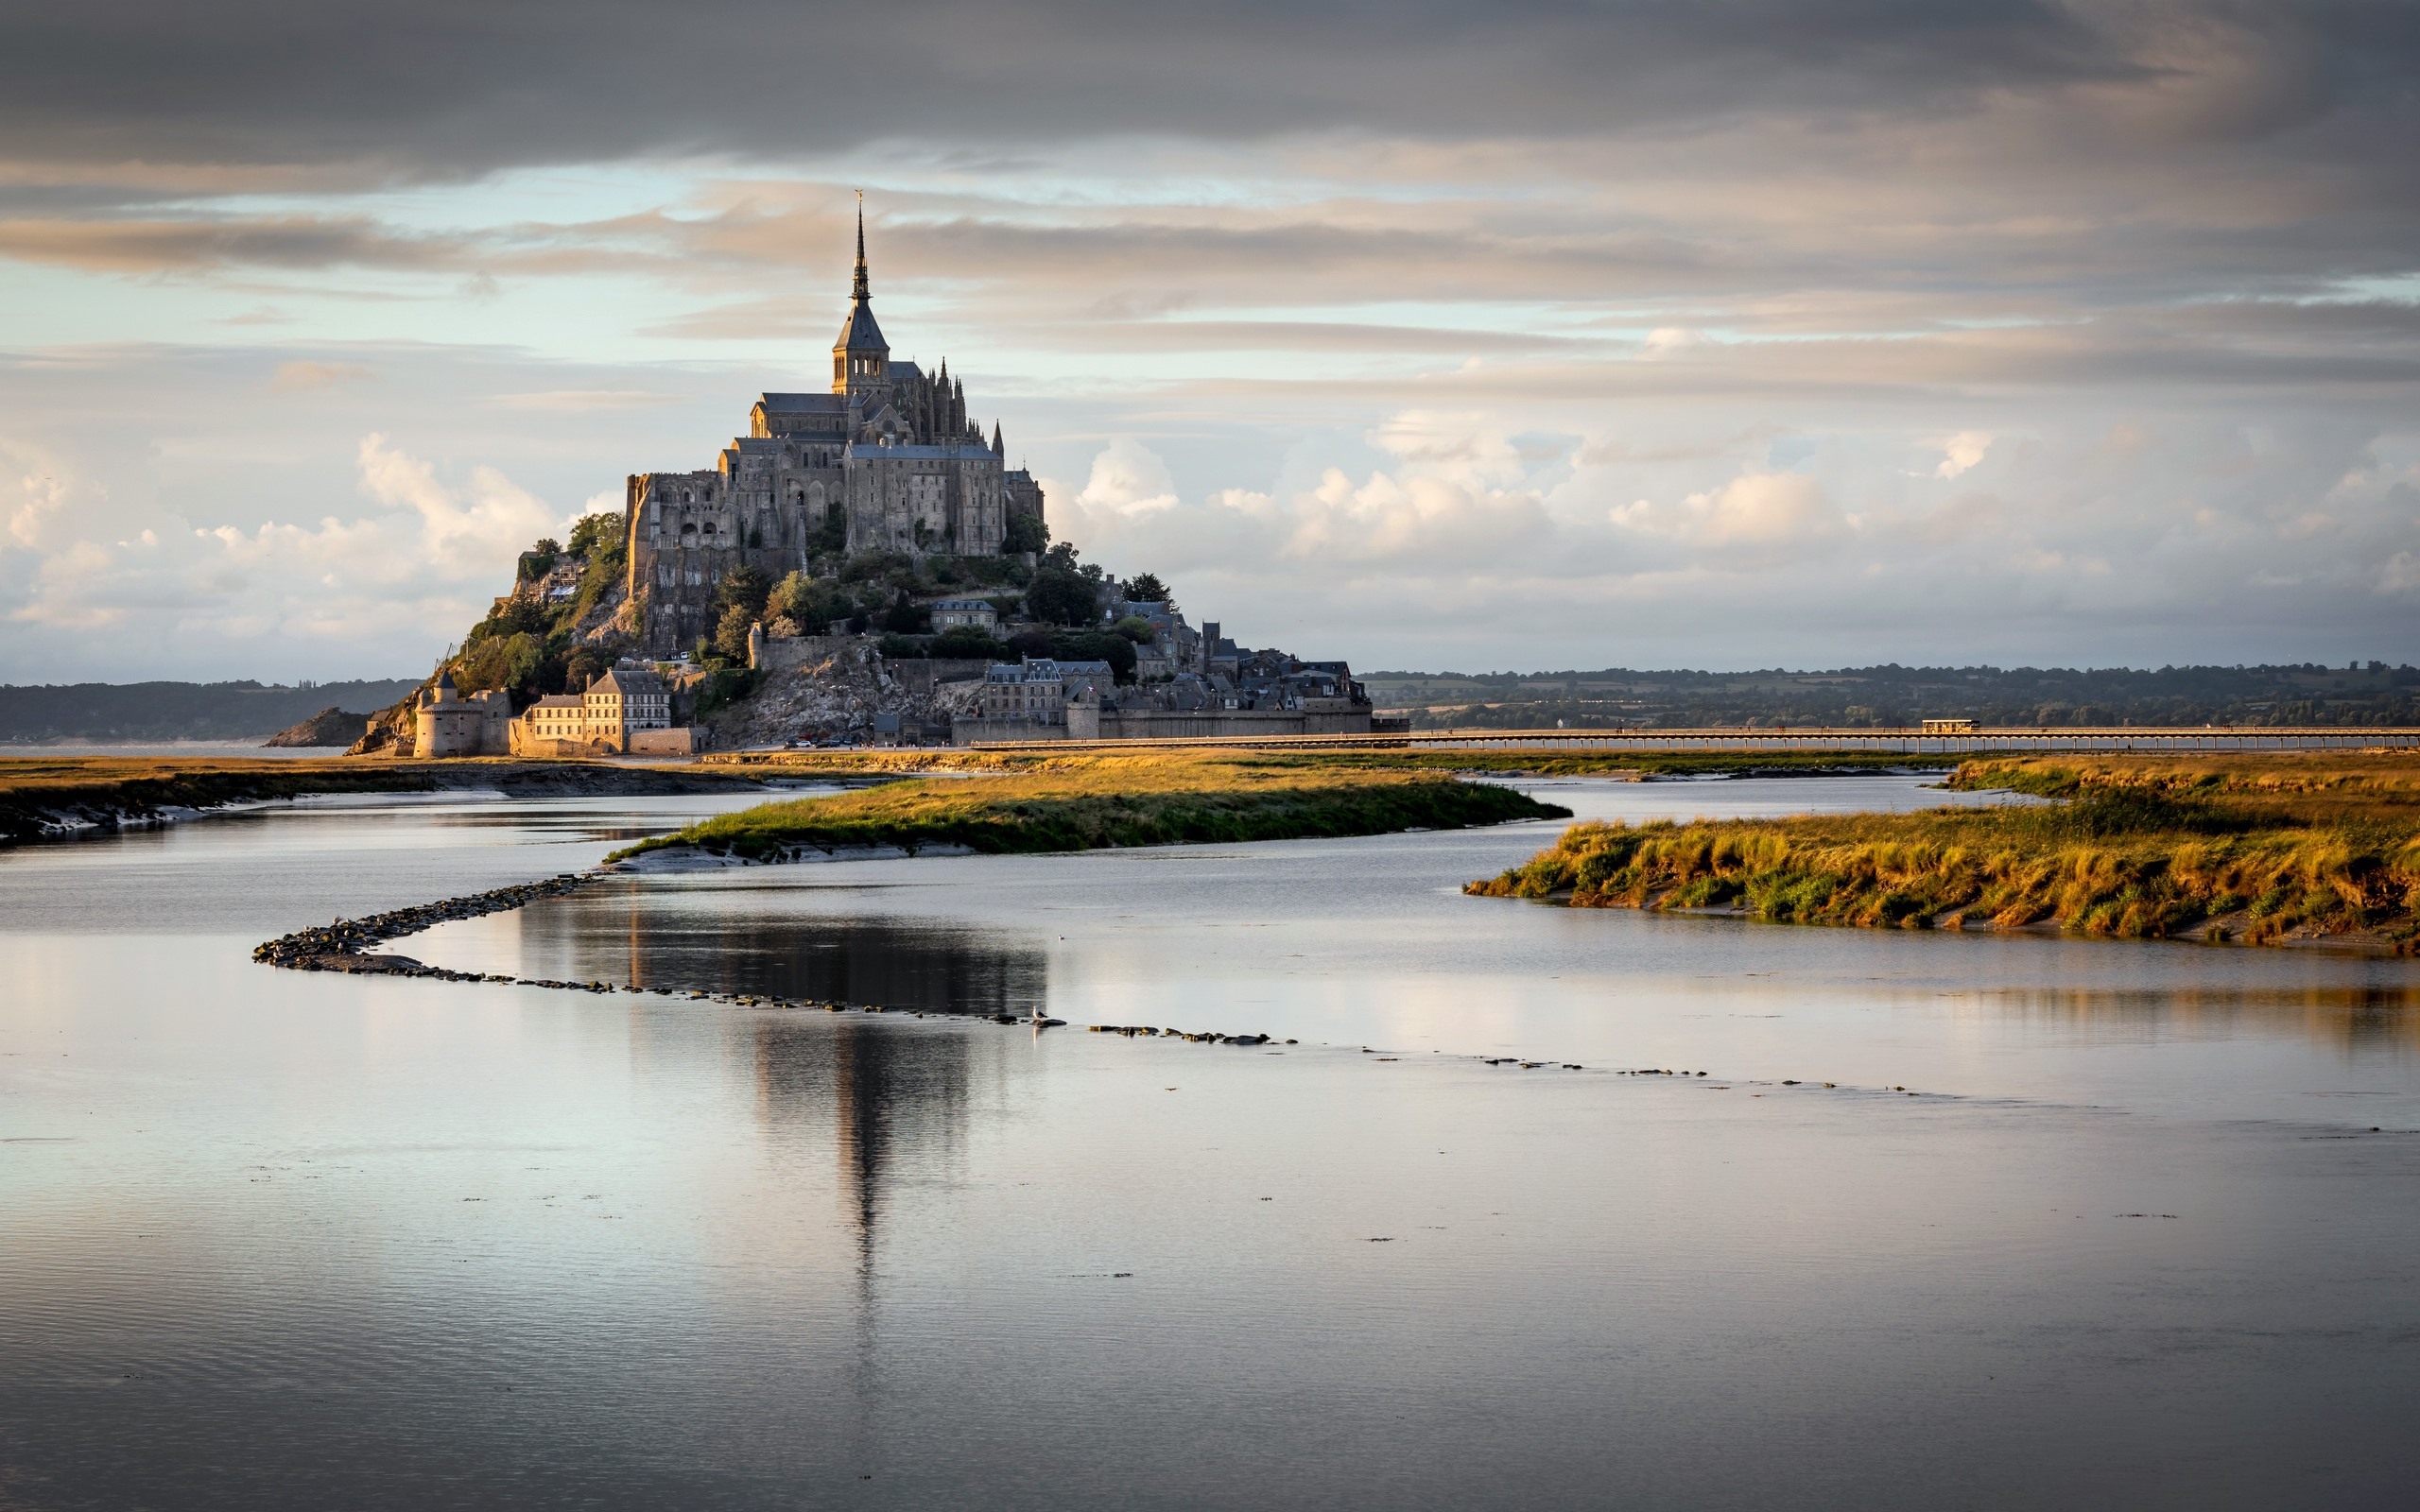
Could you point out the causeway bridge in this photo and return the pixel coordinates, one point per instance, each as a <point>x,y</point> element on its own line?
<point>1911,741</point>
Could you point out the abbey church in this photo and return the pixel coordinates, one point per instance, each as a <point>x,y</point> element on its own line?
<point>888,461</point>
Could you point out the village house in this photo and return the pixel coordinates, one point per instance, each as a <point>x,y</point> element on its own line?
<point>950,613</point>
<point>1034,691</point>
<point>626,711</point>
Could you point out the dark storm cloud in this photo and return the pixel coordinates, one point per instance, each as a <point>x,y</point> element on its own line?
<point>444,87</point>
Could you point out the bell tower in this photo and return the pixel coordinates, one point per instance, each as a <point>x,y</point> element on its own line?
<point>860,359</point>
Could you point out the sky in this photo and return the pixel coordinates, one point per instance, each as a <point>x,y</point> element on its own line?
<point>1529,335</point>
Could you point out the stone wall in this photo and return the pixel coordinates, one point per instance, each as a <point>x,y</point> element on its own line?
<point>1089,721</point>
<point>789,653</point>
<point>968,731</point>
<point>680,740</point>
<point>921,675</point>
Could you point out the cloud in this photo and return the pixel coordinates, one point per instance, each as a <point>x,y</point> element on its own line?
<point>1962,452</point>
<point>300,377</point>
<point>576,401</point>
<point>185,246</point>
<point>464,529</point>
<point>35,502</point>
<point>1427,515</point>
<point>1753,509</point>
<point>1524,328</point>
<point>1128,479</point>
<point>415,569</point>
<point>448,87</point>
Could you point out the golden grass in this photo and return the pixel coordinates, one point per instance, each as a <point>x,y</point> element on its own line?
<point>2254,849</point>
<point>1078,802</point>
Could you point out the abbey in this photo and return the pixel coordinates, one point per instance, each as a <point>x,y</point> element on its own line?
<point>888,461</point>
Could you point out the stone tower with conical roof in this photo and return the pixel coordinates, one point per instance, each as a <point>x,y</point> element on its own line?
<point>860,358</point>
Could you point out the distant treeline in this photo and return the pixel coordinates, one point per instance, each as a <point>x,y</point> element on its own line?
<point>2370,694</point>
<point>152,712</point>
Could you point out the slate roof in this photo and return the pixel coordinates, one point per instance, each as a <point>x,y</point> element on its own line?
<point>858,333</point>
<point>960,452</point>
<point>627,682</point>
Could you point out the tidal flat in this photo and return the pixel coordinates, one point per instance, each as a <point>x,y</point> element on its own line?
<point>2076,1221</point>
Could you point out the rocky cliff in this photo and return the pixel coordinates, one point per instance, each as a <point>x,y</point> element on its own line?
<point>328,727</point>
<point>836,696</point>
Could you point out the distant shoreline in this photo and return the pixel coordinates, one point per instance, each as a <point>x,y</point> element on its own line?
<point>70,797</point>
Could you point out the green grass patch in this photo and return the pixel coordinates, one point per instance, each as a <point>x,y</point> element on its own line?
<point>1087,803</point>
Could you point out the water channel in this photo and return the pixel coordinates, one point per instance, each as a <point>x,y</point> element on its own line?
<point>2075,1222</point>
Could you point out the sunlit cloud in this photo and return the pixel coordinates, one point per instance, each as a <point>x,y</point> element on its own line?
<point>1524,334</point>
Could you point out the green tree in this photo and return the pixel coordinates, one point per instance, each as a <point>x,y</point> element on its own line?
<point>1061,596</point>
<point>832,534</point>
<point>1026,532</point>
<point>810,603</point>
<point>1063,556</point>
<point>906,616</point>
<point>580,668</point>
<point>1147,589</point>
<point>596,534</point>
<point>1099,645</point>
<point>1136,629</point>
<point>743,588</point>
<point>967,642</point>
<point>512,662</point>
<point>730,633</point>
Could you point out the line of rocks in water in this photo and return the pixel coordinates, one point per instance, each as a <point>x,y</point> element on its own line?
<point>1200,1037</point>
<point>344,944</point>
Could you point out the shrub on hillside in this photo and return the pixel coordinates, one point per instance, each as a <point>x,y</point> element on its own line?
<point>966,643</point>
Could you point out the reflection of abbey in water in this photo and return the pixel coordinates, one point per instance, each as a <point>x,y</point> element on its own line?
<point>888,461</point>
<point>894,1097</point>
<point>728,941</point>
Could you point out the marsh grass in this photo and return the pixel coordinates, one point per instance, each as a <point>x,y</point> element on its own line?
<point>1091,802</point>
<point>1621,763</point>
<point>2134,850</point>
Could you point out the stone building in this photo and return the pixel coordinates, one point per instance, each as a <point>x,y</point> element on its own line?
<point>628,709</point>
<point>1027,699</point>
<point>976,613</point>
<point>886,461</point>
<point>447,723</point>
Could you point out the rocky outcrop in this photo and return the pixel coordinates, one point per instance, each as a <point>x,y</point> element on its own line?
<point>328,727</point>
<point>391,730</point>
<point>836,696</point>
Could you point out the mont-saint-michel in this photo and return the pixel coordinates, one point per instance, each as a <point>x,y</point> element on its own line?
<point>863,567</point>
<point>888,461</point>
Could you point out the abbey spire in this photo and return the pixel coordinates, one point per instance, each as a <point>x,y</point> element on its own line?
<point>860,294</point>
<point>860,358</point>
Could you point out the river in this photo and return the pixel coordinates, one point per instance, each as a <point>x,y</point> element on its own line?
<point>2074,1222</point>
